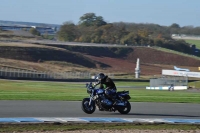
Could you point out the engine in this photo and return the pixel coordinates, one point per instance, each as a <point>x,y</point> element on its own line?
<point>106,102</point>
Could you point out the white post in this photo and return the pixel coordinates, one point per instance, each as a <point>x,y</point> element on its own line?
<point>137,69</point>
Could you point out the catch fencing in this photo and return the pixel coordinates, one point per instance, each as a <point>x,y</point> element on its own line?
<point>29,74</point>
<point>14,73</point>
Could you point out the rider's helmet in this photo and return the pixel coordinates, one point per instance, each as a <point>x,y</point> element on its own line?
<point>100,77</point>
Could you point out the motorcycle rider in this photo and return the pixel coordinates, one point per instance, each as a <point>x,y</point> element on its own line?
<point>110,88</point>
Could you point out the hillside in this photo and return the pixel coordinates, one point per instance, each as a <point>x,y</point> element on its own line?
<point>121,61</point>
<point>11,23</point>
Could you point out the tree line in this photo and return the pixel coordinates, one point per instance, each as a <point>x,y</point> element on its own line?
<point>93,29</point>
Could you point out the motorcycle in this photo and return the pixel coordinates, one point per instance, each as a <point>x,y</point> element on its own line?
<point>99,99</point>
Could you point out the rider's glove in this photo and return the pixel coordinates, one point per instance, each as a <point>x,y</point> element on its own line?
<point>95,84</point>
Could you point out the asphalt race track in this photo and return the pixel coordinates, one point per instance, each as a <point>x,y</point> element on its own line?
<point>73,109</point>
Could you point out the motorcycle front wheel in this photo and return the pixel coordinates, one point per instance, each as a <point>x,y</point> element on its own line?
<point>126,109</point>
<point>89,109</point>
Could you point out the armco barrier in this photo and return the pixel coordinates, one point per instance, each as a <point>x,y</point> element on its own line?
<point>68,80</point>
<point>99,120</point>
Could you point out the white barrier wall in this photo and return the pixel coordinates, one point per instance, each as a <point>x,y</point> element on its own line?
<point>181,73</point>
<point>167,88</point>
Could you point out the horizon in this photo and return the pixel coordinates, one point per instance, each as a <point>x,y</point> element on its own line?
<point>76,24</point>
<point>28,22</point>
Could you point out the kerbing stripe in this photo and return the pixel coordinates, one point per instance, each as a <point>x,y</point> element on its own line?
<point>97,119</point>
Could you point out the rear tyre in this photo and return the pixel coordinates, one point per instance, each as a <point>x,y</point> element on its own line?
<point>89,109</point>
<point>126,109</point>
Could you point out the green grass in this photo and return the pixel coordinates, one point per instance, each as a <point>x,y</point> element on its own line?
<point>25,90</point>
<point>58,127</point>
<point>195,84</point>
<point>196,42</point>
<point>139,84</point>
<point>176,52</point>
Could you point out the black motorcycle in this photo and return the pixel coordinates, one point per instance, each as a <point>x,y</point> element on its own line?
<point>99,99</point>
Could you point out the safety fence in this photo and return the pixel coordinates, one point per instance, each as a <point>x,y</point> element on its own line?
<point>6,72</point>
<point>20,73</point>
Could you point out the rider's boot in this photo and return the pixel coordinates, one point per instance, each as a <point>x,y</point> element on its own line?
<point>101,109</point>
<point>115,101</point>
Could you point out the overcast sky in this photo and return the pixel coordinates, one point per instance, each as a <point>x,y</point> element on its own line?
<point>162,12</point>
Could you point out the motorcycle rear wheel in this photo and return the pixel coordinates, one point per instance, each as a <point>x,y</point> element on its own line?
<point>126,109</point>
<point>89,109</point>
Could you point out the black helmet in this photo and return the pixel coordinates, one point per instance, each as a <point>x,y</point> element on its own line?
<point>100,76</point>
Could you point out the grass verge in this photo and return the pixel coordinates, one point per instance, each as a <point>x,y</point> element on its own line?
<point>196,42</point>
<point>26,90</point>
<point>60,127</point>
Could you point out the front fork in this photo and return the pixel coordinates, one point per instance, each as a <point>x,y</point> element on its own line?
<point>91,96</point>
<point>90,101</point>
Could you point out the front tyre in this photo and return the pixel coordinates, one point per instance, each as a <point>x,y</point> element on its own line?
<point>126,109</point>
<point>89,109</point>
